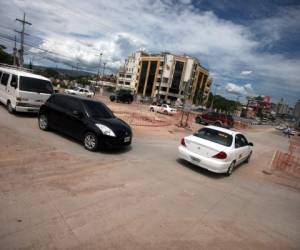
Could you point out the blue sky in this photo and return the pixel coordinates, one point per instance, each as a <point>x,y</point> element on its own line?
<point>250,47</point>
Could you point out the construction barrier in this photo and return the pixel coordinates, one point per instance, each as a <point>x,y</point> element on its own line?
<point>287,162</point>
<point>241,125</point>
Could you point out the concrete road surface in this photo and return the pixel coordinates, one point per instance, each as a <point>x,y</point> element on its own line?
<point>56,195</point>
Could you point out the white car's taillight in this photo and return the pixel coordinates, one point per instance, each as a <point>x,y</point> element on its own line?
<point>220,155</point>
<point>183,142</point>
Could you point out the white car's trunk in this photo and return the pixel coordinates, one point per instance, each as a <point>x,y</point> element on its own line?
<point>203,147</point>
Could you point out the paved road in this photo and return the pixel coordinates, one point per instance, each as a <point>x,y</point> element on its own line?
<point>56,195</point>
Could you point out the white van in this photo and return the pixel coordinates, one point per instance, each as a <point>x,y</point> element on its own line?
<point>23,91</point>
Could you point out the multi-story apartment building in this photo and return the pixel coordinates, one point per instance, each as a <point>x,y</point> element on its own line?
<point>166,75</point>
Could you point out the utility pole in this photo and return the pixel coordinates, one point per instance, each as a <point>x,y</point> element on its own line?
<point>98,75</point>
<point>212,102</point>
<point>184,112</point>
<point>22,33</point>
<point>15,52</point>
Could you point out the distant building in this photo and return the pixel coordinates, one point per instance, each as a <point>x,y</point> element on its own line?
<point>297,109</point>
<point>168,75</point>
<point>297,113</point>
<point>260,104</point>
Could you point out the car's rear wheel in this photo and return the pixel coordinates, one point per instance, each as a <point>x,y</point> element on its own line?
<point>43,122</point>
<point>10,108</point>
<point>90,141</point>
<point>248,158</point>
<point>230,169</point>
<point>152,110</point>
<point>166,112</point>
<point>198,120</point>
<point>218,124</point>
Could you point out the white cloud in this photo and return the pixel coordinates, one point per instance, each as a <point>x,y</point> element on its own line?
<point>246,72</point>
<point>245,90</point>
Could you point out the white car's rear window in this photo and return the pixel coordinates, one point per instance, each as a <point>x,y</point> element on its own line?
<point>214,136</point>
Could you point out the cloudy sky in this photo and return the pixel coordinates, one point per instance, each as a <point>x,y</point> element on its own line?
<point>250,47</point>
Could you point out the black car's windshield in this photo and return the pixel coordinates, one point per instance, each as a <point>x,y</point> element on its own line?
<point>215,136</point>
<point>98,110</point>
<point>35,85</point>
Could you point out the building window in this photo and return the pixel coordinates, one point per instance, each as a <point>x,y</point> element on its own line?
<point>165,80</point>
<point>142,77</point>
<point>176,77</point>
<point>121,82</point>
<point>128,76</point>
<point>151,77</point>
<point>127,83</point>
<point>164,89</point>
<point>121,75</point>
<point>161,63</point>
<point>160,71</point>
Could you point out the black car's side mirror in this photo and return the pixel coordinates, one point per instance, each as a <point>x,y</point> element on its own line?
<point>77,114</point>
<point>250,144</point>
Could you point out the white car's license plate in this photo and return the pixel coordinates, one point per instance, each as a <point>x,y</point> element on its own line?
<point>195,159</point>
<point>127,139</point>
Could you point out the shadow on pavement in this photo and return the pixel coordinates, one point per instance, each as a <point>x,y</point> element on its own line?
<point>199,170</point>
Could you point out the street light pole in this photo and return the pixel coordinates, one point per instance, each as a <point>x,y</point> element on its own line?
<point>98,75</point>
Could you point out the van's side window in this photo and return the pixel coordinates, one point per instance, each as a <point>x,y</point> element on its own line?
<point>14,78</point>
<point>4,79</point>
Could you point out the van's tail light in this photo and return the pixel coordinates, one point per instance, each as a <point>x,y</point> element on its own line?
<point>183,142</point>
<point>220,155</point>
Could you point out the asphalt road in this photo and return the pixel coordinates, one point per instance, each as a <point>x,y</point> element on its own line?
<point>56,195</point>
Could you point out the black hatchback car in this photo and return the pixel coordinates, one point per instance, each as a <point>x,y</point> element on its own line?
<point>89,121</point>
<point>122,95</point>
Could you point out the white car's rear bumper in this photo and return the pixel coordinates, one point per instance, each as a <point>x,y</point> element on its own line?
<point>210,164</point>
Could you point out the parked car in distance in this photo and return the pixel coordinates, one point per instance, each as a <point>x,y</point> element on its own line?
<point>217,119</point>
<point>162,108</point>
<point>217,149</point>
<point>124,96</point>
<point>89,121</point>
<point>198,110</point>
<point>80,92</point>
<point>21,90</point>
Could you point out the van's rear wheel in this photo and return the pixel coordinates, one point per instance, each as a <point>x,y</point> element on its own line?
<point>198,120</point>
<point>43,122</point>
<point>10,108</point>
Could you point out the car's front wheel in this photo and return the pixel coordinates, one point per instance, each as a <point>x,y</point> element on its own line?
<point>43,122</point>
<point>90,141</point>
<point>10,108</point>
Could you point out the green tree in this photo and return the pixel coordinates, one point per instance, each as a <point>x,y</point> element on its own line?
<point>4,56</point>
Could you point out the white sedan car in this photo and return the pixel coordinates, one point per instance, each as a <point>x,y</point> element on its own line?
<point>164,109</point>
<point>217,149</point>
<point>80,91</point>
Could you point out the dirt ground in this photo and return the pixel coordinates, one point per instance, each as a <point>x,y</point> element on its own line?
<point>56,195</point>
